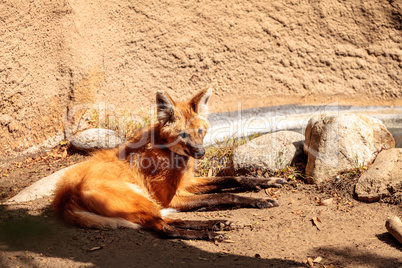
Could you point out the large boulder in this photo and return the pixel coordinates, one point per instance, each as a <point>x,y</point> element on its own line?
<point>383,178</point>
<point>271,152</point>
<point>96,138</point>
<point>340,142</point>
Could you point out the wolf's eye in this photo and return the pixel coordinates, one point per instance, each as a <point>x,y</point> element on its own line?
<point>184,135</point>
<point>200,131</point>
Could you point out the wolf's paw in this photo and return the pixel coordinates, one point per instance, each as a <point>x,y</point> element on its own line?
<point>219,238</point>
<point>266,203</point>
<point>224,225</point>
<point>273,182</point>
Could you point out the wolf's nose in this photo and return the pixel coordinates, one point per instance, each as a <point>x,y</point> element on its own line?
<point>200,153</point>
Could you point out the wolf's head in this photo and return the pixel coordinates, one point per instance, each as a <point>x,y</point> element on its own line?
<point>184,124</point>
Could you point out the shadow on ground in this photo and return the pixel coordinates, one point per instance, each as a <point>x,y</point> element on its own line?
<point>357,257</point>
<point>390,240</point>
<point>35,240</point>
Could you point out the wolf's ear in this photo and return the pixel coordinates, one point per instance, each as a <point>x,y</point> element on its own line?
<point>165,109</point>
<point>199,103</point>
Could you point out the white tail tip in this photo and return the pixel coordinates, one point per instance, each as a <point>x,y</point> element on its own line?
<point>168,211</point>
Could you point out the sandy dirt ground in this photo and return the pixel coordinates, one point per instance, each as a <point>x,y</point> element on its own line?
<point>346,233</point>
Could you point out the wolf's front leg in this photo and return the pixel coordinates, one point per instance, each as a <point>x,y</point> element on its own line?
<point>214,201</point>
<point>214,184</point>
<point>212,225</point>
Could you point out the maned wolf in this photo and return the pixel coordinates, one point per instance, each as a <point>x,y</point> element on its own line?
<point>136,184</point>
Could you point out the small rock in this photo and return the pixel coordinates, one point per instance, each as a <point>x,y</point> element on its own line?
<point>96,138</point>
<point>272,151</point>
<point>325,202</point>
<point>383,178</point>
